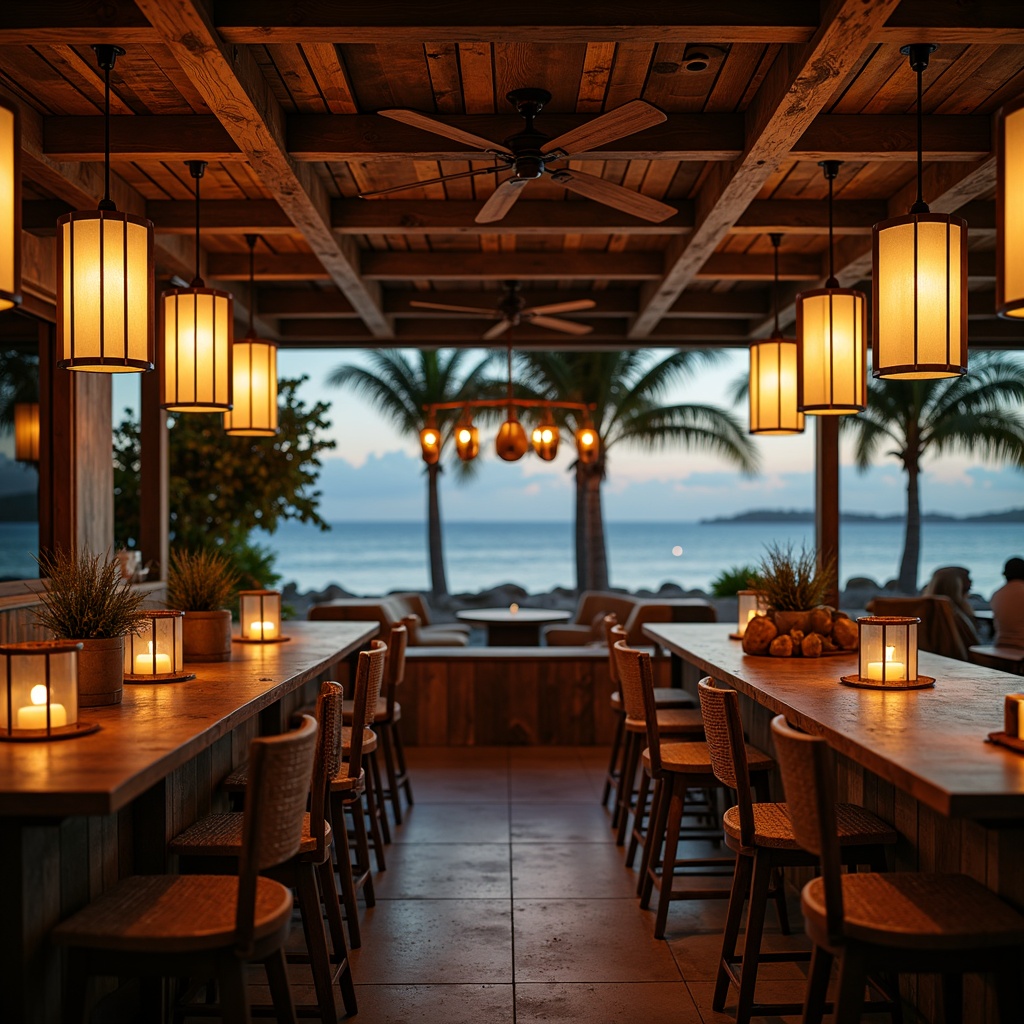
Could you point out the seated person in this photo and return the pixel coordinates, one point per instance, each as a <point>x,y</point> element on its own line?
<point>954,582</point>
<point>1008,606</point>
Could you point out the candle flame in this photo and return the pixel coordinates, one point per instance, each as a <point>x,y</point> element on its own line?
<point>37,694</point>
<point>150,646</point>
<point>513,608</point>
<point>889,652</point>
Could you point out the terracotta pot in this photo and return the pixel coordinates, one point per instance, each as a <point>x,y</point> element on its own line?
<point>100,672</point>
<point>206,636</point>
<point>786,622</point>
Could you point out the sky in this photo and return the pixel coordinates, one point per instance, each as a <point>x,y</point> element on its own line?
<point>376,473</point>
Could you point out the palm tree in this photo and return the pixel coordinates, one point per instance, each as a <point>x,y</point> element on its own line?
<point>625,388</point>
<point>400,384</point>
<point>908,419</point>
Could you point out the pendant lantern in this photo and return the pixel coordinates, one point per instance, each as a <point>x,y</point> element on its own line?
<point>467,438</point>
<point>919,281</point>
<point>105,288</point>
<point>10,207</point>
<point>1010,212</point>
<point>430,442</point>
<point>831,330</point>
<point>545,437</point>
<point>772,387</point>
<point>254,361</point>
<point>588,444</point>
<point>26,431</point>
<point>198,335</point>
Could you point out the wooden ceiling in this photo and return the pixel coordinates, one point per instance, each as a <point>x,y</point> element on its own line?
<point>281,98</point>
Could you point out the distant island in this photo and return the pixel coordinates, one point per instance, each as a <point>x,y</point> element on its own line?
<point>782,515</point>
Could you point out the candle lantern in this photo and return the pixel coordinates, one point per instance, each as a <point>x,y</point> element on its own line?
<point>751,604</point>
<point>39,691</point>
<point>430,442</point>
<point>888,654</point>
<point>545,438</point>
<point>260,612</point>
<point>154,654</point>
<point>467,438</point>
<point>588,444</point>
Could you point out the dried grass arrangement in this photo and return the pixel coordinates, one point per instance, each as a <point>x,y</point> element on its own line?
<point>200,581</point>
<point>793,582</point>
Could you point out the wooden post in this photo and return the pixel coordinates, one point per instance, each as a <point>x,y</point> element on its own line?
<point>826,494</point>
<point>154,482</point>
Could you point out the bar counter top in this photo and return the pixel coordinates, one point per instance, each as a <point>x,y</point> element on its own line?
<point>929,743</point>
<point>160,726</point>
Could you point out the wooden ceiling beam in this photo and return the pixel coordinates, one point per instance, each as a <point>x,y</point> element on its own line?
<point>220,216</point>
<point>799,84</point>
<point>995,22</point>
<point>293,266</point>
<point>233,86</point>
<point>522,266</point>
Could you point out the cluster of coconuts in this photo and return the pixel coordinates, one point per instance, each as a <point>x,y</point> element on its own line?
<point>809,634</point>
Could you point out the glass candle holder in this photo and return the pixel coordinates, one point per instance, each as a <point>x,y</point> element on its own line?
<point>888,654</point>
<point>39,691</point>
<point>751,604</point>
<point>154,654</point>
<point>260,616</point>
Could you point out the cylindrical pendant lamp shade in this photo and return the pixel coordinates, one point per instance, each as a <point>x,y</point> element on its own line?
<point>831,332</point>
<point>10,208</point>
<point>919,307</point>
<point>254,413</point>
<point>198,337</point>
<point>773,409</point>
<point>1010,212</point>
<point>105,292</point>
<point>26,431</point>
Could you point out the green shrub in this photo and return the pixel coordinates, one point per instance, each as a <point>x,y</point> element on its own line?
<point>731,581</point>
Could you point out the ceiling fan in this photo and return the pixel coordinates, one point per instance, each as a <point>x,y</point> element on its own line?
<point>512,310</point>
<point>529,152</point>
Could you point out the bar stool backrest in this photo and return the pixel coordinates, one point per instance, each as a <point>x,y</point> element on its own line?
<point>398,639</point>
<point>637,680</point>
<point>369,676</point>
<point>275,803</point>
<point>610,620</point>
<point>723,729</point>
<point>327,763</point>
<point>808,778</point>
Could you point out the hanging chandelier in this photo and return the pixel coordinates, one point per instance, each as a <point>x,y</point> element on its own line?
<point>105,268</point>
<point>1010,212</point>
<point>254,413</point>
<point>919,280</point>
<point>773,373</point>
<point>831,338</point>
<point>198,335</point>
<point>10,207</point>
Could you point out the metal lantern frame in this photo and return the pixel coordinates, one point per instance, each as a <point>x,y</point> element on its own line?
<point>1010,211</point>
<point>10,205</point>
<point>59,681</point>
<point>877,635</point>
<point>259,607</point>
<point>161,636</point>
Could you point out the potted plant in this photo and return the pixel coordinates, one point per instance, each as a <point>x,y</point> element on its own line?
<point>200,583</point>
<point>798,622</point>
<point>88,600</point>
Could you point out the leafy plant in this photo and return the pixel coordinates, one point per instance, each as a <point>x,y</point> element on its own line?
<point>200,581</point>
<point>793,582</point>
<point>86,597</point>
<point>730,582</point>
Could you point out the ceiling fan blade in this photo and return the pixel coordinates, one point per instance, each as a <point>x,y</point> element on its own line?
<point>452,309</point>
<point>614,195</point>
<point>432,181</point>
<point>625,120</point>
<point>497,330</point>
<point>501,200</point>
<point>430,124</point>
<point>574,306</point>
<point>565,326</point>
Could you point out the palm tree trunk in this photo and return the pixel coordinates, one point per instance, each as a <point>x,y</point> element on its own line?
<point>597,555</point>
<point>435,543</point>
<point>909,564</point>
<point>581,528</point>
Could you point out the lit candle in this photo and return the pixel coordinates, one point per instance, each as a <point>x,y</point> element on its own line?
<point>264,630</point>
<point>34,717</point>
<point>893,669</point>
<point>513,608</point>
<point>148,664</point>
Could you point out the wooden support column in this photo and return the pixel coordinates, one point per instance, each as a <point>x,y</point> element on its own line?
<point>826,493</point>
<point>154,480</point>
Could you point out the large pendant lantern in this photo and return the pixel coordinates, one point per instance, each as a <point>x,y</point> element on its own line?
<point>10,207</point>
<point>831,330</point>
<point>919,281</point>
<point>772,385</point>
<point>254,361</point>
<point>1010,212</point>
<point>198,337</point>
<point>105,287</point>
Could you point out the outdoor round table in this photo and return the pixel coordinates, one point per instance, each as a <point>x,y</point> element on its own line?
<point>506,628</point>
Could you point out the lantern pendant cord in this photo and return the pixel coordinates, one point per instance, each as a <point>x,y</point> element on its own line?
<point>509,363</point>
<point>775,283</point>
<point>920,141</point>
<point>251,239</point>
<point>197,227</point>
<point>831,264</point>
<point>106,136</point>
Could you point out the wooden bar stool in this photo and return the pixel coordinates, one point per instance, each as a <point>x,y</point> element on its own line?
<point>218,839</point>
<point>763,840</point>
<point>674,768</point>
<point>893,922</point>
<point>207,926</point>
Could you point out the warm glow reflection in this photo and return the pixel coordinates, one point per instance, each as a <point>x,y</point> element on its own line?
<point>26,431</point>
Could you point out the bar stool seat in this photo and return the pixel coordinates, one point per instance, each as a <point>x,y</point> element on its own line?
<point>380,715</point>
<point>773,829</point>
<point>664,697</point>
<point>672,722</point>
<point>220,835</point>
<point>695,759</point>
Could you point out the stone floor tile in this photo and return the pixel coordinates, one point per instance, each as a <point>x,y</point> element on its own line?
<point>454,823</point>
<point>583,1003</point>
<point>570,871</point>
<point>445,871</point>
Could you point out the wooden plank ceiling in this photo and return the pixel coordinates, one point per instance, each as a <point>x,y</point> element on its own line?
<point>281,97</point>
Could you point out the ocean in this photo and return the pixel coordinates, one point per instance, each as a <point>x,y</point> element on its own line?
<point>372,558</point>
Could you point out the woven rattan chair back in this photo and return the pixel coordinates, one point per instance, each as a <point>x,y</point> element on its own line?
<point>637,681</point>
<point>280,768</point>
<point>327,763</point>
<point>398,640</point>
<point>808,778</point>
<point>607,624</point>
<point>723,731</point>
<point>369,677</point>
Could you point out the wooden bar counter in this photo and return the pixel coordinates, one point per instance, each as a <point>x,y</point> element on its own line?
<point>917,758</point>
<point>76,815</point>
